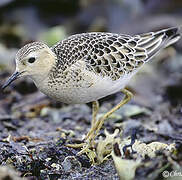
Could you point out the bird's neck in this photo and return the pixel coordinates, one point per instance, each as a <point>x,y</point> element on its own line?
<point>46,67</point>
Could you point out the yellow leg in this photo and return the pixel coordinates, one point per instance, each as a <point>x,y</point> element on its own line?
<point>97,126</point>
<point>95,109</point>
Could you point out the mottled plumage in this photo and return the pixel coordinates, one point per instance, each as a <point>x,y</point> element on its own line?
<point>86,67</point>
<point>111,55</point>
<point>90,66</point>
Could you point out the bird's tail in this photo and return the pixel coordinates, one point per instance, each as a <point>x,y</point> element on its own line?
<point>153,42</point>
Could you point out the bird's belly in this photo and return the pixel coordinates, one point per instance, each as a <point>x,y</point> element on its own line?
<point>72,94</point>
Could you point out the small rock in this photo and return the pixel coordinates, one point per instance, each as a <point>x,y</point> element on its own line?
<point>70,163</point>
<point>56,166</point>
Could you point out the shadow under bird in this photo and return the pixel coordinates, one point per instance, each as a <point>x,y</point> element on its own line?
<point>86,67</point>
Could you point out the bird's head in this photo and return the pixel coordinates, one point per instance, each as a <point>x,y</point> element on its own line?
<point>34,60</point>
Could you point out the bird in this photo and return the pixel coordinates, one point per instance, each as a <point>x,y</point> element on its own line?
<point>86,67</point>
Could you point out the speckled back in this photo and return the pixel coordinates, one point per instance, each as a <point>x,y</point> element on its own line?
<point>108,54</point>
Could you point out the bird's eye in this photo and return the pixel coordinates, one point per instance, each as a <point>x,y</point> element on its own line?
<point>31,60</point>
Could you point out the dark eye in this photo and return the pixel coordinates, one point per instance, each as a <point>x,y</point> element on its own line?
<point>31,60</point>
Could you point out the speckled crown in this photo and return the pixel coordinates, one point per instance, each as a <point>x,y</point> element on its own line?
<point>28,48</point>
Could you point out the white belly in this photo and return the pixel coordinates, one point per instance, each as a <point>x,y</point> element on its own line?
<point>92,88</point>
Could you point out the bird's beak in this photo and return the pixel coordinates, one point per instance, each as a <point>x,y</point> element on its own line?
<point>13,77</point>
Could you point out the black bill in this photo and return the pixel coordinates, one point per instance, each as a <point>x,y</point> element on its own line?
<point>13,77</point>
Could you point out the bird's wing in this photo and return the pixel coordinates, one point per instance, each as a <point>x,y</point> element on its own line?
<point>153,42</point>
<point>110,54</point>
<point>117,55</point>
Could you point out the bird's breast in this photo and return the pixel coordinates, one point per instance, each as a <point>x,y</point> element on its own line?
<point>88,88</point>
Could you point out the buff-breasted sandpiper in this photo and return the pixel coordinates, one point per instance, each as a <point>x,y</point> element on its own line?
<point>86,67</point>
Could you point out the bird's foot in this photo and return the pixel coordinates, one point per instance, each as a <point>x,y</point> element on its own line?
<point>86,148</point>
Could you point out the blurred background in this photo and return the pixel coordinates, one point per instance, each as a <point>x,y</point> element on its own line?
<point>51,20</point>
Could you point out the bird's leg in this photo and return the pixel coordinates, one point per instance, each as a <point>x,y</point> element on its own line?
<point>97,126</point>
<point>95,109</point>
